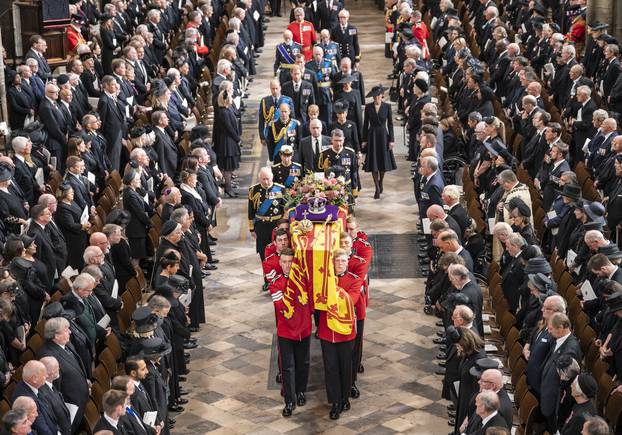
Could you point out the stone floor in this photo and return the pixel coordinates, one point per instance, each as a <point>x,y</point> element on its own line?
<point>231,390</point>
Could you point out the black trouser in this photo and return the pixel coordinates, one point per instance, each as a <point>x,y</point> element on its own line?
<point>294,357</point>
<point>337,370</point>
<point>275,5</point>
<point>263,232</point>
<point>357,351</point>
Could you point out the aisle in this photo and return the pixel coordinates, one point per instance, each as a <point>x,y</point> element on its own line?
<point>230,388</point>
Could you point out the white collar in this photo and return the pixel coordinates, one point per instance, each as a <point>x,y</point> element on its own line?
<point>34,390</point>
<point>561,341</point>
<point>614,271</point>
<point>110,420</point>
<point>488,418</point>
<point>191,190</point>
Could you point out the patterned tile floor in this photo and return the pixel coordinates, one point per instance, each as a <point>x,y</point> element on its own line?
<point>231,390</point>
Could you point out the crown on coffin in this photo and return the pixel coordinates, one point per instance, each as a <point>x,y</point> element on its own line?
<point>317,205</point>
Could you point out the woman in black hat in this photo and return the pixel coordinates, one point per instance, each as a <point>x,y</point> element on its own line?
<point>583,389</point>
<point>68,216</point>
<point>227,137</point>
<point>139,210</point>
<point>120,251</point>
<point>89,76</point>
<point>12,208</point>
<point>351,97</point>
<point>378,139</point>
<point>109,43</point>
<point>571,195</point>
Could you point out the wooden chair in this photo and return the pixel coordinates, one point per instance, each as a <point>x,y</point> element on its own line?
<point>91,417</point>
<point>521,389</point>
<point>100,374</point>
<point>107,359</point>
<point>97,393</point>
<point>613,410</point>
<point>115,181</point>
<point>528,411</point>
<point>35,342</point>
<point>605,387</point>
<point>133,286</point>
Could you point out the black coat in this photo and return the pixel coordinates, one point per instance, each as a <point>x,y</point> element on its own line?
<point>167,152</point>
<point>302,99</point>
<point>81,191</point>
<point>114,126</point>
<point>44,71</point>
<point>476,302</point>
<point>468,385</point>
<point>25,177</point>
<point>68,220</point>
<point>461,216</point>
<point>306,156</point>
<point>155,387</point>
<point>45,423</point>
<point>20,105</point>
<point>45,251</point>
<point>72,381</point>
<point>549,390</point>
<point>54,402</point>
<point>52,118</point>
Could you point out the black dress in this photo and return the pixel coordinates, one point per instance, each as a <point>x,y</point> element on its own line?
<point>227,139</point>
<point>139,225</point>
<point>378,132</point>
<point>68,220</point>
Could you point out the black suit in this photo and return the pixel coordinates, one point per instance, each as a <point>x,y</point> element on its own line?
<point>45,423</point>
<point>114,126</point>
<point>302,99</point>
<point>476,303</point>
<point>25,177</point>
<point>461,217</point>
<point>68,221</point>
<point>550,386</point>
<point>54,402</point>
<point>44,71</point>
<point>496,421</point>
<point>46,253</point>
<point>20,105</point>
<point>81,190</point>
<point>306,154</point>
<point>53,120</point>
<point>167,152</point>
<point>103,424</point>
<point>72,380</point>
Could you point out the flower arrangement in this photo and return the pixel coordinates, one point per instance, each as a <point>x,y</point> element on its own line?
<point>333,189</point>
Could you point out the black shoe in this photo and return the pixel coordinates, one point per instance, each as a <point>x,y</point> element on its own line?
<point>279,378</point>
<point>211,251</point>
<point>231,194</point>
<point>441,356</point>
<point>439,340</point>
<point>441,363</point>
<point>289,408</point>
<point>354,392</point>
<point>210,266</point>
<point>440,371</point>
<point>182,401</point>
<point>428,310</point>
<point>345,405</point>
<point>301,400</point>
<point>214,261</point>
<point>182,378</point>
<point>193,329</point>
<point>335,410</point>
<point>175,408</point>
<point>172,420</point>
<point>440,333</point>
<point>182,391</point>
<point>361,368</point>
<point>211,242</point>
<point>451,414</point>
<point>205,274</point>
<point>451,422</point>
<point>171,425</point>
<point>440,323</point>
<point>190,345</point>
<point>451,407</point>
<point>442,348</point>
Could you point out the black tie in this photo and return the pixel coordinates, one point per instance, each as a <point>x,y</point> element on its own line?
<point>317,146</point>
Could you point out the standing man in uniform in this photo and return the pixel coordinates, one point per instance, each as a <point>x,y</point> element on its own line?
<point>285,57</point>
<point>346,36</point>
<point>287,172</point>
<point>338,155</point>
<point>303,33</point>
<point>331,48</point>
<point>293,329</point>
<point>265,208</point>
<point>269,108</point>
<point>323,69</point>
<point>284,130</point>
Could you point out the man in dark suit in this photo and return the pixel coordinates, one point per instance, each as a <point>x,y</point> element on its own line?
<point>46,253</point>
<point>600,146</point>
<point>310,148</point>
<point>581,120</point>
<point>489,380</point>
<point>513,274</point>
<point>487,409</point>
<point>462,280</point>
<point>72,383</point>
<point>113,402</point>
<point>164,145</point>
<point>328,10</point>
<point>56,235</point>
<point>431,184</point>
<point>346,35</point>
<point>37,50</point>
<point>565,343</point>
<point>448,241</point>
<point>54,122</point>
<point>113,114</point>
<point>25,169</point>
<point>612,70</point>
<point>136,368</point>
<point>33,378</point>
<point>82,187</point>
<point>614,205</point>
<point>532,151</point>
<point>52,397</point>
<point>451,199</point>
<point>548,179</point>
<point>302,94</point>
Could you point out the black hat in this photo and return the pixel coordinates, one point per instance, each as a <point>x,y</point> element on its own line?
<point>145,320</point>
<point>165,290</point>
<point>483,364</point>
<point>346,79</point>
<point>614,302</point>
<point>422,85</point>
<point>587,384</point>
<point>168,227</point>
<point>137,132</point>
<point>538,265</point>
<point>86,56</point>
<point>453,334</point>
<point>154,347</point>
<point>65,186</point>
<point>571,191</point>
<point>72,306</point>
<point>540,281</point>
<point>160,88</point>
<point>518,204</point>
<point>597,25</point>
<point>529,252</point>
<point>62,79</point>
<point>167,81</point>
<point>555,27</point>
<point>539,8</point>
<point>26,240</point>
<point>104,17</point>
<point>341,106</point>
<point>179,283</point>
<point>119,216</point>
<point>55,309</point>
<point>378,90</point>
<point>5,173</point>
<point>608,39</point>
<point>611,251</point>
<point>595,211</point>
<point>593,225</point>
<point>128,177</point>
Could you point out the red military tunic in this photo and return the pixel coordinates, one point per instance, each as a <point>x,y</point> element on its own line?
<point>420,31</point>
<point>304,34</point>
<point>74,37</point>
<point>271,266</point>
<point>199,42</point>
<point>352,284</point>
<point>270,248</point>
<point>362,248</point>
<point>298,326</point>
<point>358,266</point>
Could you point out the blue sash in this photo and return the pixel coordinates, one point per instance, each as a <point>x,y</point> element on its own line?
<point>289,181</point>
<point>277,111</point>
<point>288,58</point>
<point>265,205</point>
<point>277,147</point>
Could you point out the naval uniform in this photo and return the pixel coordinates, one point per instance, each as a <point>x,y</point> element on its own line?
<point>348,40</point>
<point>282,133</point>
<point>265,208</point>
<point>285,59</point>
<point>287,175</point>
<point>346,158</point>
